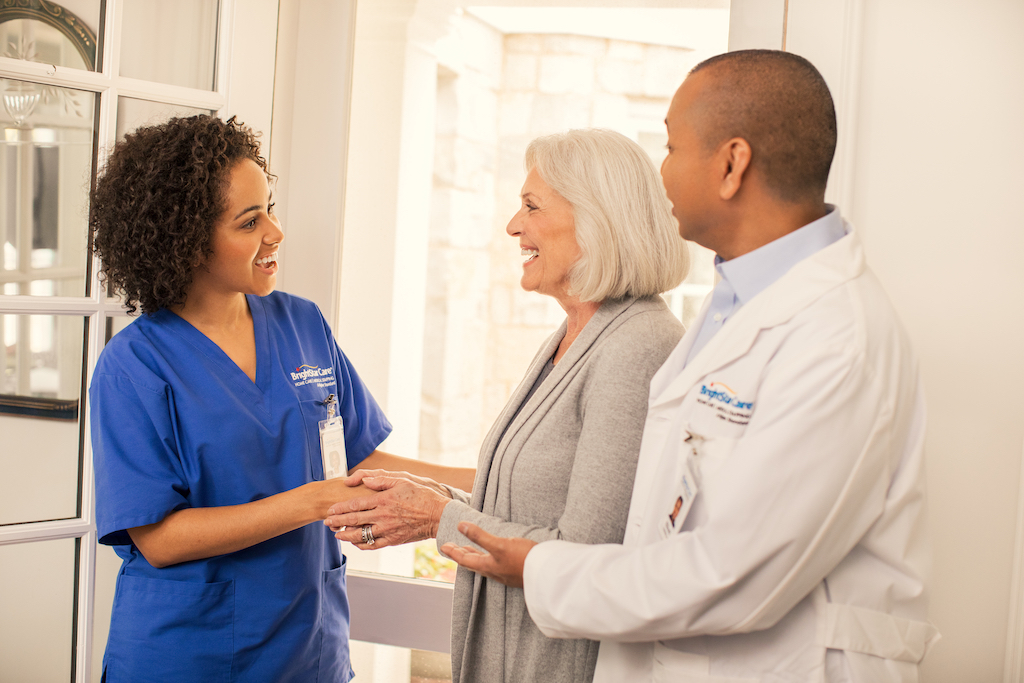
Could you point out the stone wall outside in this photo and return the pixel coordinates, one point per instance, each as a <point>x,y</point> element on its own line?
<point>482,329</point>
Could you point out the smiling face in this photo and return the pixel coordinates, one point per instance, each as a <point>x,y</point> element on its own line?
<point>547,236</point>
<point>245,239</point>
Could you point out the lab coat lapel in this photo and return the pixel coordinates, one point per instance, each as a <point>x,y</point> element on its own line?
<point>670,370</point>
<point>805,282</point>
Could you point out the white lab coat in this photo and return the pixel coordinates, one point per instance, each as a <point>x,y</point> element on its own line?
<point>807,533</point>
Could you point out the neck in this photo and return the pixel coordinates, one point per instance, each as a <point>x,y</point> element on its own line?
<point>766,223</point>
<point>578,314</point>
<point>207,311</point>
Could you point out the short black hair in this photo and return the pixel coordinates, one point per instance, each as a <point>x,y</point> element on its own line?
<point>780,104</point>
<point>154,207</point>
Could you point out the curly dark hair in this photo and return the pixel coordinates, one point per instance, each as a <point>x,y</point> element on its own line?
<point>154,206</point>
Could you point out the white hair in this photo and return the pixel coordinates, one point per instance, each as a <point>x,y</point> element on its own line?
<point>629,242</point>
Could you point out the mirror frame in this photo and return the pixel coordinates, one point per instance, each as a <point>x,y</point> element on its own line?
<point>56,16</point>
<point>34,406</point>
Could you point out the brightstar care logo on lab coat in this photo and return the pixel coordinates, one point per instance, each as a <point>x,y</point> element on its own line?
<point>725,403</point>
<point>313,374</point>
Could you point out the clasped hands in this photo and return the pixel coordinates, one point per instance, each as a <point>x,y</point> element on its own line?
<point>407,508</point>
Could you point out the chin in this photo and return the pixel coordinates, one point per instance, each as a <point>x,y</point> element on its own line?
<point>686,232</point>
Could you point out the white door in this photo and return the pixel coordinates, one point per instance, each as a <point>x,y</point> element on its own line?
<point>74,79</point>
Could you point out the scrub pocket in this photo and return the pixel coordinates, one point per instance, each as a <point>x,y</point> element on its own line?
<point>170,631</point>
<point>334,652</point>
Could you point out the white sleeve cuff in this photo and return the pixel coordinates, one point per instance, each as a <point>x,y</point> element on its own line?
<point>541,581</point>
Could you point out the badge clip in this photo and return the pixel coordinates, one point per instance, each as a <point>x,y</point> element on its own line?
<point>329,403</point>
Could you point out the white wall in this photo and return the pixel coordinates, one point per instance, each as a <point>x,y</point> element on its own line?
<point>937,183</point>
<point>311,91</point>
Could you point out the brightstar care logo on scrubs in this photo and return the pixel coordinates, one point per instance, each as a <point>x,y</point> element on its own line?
<point>313,374</point>
<point>725,403</point>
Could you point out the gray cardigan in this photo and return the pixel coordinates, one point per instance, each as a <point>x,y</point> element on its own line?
<point>561,467</point>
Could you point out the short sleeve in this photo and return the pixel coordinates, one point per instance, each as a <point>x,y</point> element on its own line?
<point>139,479</point>
<point>366,426</point>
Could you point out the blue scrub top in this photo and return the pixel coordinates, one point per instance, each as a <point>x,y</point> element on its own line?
<point>176,424</point>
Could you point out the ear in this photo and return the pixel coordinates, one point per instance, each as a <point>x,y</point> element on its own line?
<point>735,158</point>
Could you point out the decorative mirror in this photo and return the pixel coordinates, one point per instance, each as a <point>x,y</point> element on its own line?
<point>41,31</point>
<point>47,138</point>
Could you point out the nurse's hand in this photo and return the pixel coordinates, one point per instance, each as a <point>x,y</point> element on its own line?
<point>380,476</point>
<point>503,561</point>
<point>402,511</point>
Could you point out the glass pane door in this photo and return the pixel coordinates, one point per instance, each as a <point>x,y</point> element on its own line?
<point>40,417</point>
<point>46,155</point>
<point>36,574</point>
<point>56,126</point>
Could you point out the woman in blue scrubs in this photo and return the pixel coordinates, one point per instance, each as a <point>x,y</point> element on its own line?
<point>205,420</point>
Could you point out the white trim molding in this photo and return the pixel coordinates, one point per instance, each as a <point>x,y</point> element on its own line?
<point>425,608</point>
<point>309,144</point>
<point>830,34</point>
<point>1013,671</point>
<point>757,24</point>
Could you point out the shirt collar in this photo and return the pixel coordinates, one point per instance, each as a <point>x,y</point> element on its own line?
<point>755,271</point>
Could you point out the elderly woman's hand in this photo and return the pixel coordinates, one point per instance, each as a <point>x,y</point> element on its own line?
<point>405,509</point>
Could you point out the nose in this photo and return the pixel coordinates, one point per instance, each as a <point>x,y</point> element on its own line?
<point>274,235</point>
<point>513,228</point>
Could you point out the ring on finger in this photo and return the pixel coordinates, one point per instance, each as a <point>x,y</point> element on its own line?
<point>368,538</point>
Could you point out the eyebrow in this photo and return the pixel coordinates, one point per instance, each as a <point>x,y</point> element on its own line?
<point>254,207</point>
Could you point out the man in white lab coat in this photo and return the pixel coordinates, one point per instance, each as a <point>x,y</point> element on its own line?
<point>776,529</point>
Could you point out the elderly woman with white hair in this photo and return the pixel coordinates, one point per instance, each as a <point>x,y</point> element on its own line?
<point>559,462</point>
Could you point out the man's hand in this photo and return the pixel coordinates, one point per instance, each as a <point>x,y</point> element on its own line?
<point>503,561</point>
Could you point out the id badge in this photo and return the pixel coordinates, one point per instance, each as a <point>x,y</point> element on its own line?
<point>681,501</point>
<point>332,447</point>
<point>332,443</point>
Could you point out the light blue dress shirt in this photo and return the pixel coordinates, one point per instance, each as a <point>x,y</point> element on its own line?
<point>746,276</point>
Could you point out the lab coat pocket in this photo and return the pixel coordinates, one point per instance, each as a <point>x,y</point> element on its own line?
<point>712,455</point>
<point>673,666</point>
<point>175,630</point>
<point>334,655</point>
